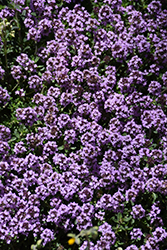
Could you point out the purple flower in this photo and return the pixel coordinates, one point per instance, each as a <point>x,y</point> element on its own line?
<point>142,44</point>
<point>26,63</point>
<point>44,26</point>
<point>154,69</point>
<point>114,102</point>
<point>83,221</point>
<point>61,160</point>
<point>161,52</point>
<point>162,187</point>
<point>5,133</point>
<point>28,116</point>
<point>107,233</point>
<point>50,148</point>
<point>100,215</point>
<point>105,202</point>
<point>2,72</point>
<point>19,148</point>
<point>105,14</point>
<point>134,63</point>
<point>19,2</point>
<point>131,194</point>
<point>154,88</point>
<point>89,152</point>
<point>4,166</point>
<point>125,84</point>
<point>154,7</point>
<point>4,96</point>
<point>37,6</point>
<point>137,23</point>
<point>70,136</point>
<point>156,154</point>
<point>95,115</point>
<point>6,13</point>
<point>63,120</point>
<point>66,98</point>
<point>135,160</point>
<point>153,118</point>
<point>86,194</point>
<point>155,210</point>
<point>153,185</point>
<point>159,234</point>
<point>28,22</point>
<point>164,79</point>
<point>35,82</point>
<point>80,171</point>
<point>119,50</point>
<point>138,212</point>
<point>136,234</point>
<point>47,76</point>
<point>131,247</point>
<point>47,235</point>
<point>20,92</point>
<point>85,244</point>
<point>137,77</point>
<point>34,34</point>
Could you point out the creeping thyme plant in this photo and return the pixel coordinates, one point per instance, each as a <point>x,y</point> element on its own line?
<point>83,124</point>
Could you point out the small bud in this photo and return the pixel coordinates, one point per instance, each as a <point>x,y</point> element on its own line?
<point>71,235</point>
<point>77,240</point>
<point>39,242</point>
<point>33,247</point>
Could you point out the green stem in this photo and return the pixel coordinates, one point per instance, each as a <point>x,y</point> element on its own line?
<point>163,91</point>
<point>16,15</point>
<point>36,48</point>
<point>88,245</point>
<point>15,87</point>
<point>5,50</point>
<point>6,59</point>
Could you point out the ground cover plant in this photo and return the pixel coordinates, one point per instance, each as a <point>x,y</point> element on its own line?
<point>83,135</point>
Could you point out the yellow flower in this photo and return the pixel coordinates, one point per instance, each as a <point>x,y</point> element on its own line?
<point>71,241</point>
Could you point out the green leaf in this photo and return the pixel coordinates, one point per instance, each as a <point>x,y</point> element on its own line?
<point>61,148</point>
<point>132,221</point>
<point>73,148</point>
<point>26,48</point>
<point>9,51</point>
<point>39,242</point>
<point>11,140</point>
<point>71,235</point>
<point>154,197</point>
<point>33,14</point>
<point>36,59</point>
<point>33,247</point>
<point>119,216</point>
<point>126,219</point>
<point>77,241</point>
<point>17,134</point>
<point>14,27</point>
<point>2,7</point>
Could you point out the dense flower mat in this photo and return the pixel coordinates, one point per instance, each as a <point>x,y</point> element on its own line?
<point>83,135</point>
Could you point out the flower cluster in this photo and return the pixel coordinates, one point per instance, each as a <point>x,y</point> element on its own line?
<point>86,144</point>
<point>4,96</point>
